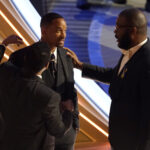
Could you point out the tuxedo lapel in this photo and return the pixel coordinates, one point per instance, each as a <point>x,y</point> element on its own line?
<point>115,86</point>
<point>132,63</point>
<point>60,78</point>
<point>63,59</point>
<point>118,66</point>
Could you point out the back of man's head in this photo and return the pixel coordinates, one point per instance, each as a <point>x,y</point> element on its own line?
<point>48,18</point>
<point>36,57</point>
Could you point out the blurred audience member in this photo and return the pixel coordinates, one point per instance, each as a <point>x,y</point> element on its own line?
<point>147,5</point>
<point>83,4</point>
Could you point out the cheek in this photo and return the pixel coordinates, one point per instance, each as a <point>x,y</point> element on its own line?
<point>54,39</point>
<point>133,37</point>
<point>123,35</point>
<point>57,35</point>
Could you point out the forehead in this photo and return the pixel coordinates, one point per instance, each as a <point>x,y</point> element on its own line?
<point>121,20</point>
<point>59,22</point>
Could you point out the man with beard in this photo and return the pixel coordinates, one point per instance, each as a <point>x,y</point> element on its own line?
<point>59,75</point>
<point>129,123</point>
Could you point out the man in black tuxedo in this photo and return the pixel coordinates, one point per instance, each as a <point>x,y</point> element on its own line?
<point>29,108</point>
<point>129,123</point>
<point>59,76</point>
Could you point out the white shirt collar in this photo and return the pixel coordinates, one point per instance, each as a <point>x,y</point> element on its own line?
<point>134,49</point>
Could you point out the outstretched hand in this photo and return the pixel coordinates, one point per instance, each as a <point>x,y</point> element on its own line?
<point>12,39</point>
<point>77,63</point>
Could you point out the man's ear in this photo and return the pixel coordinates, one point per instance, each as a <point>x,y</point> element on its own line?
<point>43,30</point>
<point>135,30</point>
<point>133,33</point>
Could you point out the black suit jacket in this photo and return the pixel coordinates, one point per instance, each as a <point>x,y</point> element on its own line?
<point>64,84</point>
<point>30,110</point>
<point>129,123</point>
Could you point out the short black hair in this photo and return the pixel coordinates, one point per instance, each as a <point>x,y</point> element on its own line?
<point>36,57</point>
<point>48,18</point>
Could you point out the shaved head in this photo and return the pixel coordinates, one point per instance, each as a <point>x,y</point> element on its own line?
<point>136,18</point>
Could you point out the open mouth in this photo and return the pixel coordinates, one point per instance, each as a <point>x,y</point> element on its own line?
<point>61,41</point>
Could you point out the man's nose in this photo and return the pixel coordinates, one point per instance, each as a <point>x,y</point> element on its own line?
<point>63,34</point>
<point>115,29</point>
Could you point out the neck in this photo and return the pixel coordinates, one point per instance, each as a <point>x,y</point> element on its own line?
<point>52,48</point>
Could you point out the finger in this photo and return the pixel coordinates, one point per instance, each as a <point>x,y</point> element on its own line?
<point>19,38</point>
<point>70,51</point>
<point>20,42</point>
<point>69,54</point>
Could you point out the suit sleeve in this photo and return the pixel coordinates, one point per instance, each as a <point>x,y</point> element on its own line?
<point>76,110</point>
<point>76,123</point>
<point>71,93</point>
<point>97,73</point>
<point>57,124</point>
<point>2,51</point>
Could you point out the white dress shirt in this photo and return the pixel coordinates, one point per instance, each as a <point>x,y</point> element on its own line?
<point>129,53</point>
<point>55,54</point>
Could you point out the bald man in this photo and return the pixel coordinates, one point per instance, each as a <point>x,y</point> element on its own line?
<point>129,119</point>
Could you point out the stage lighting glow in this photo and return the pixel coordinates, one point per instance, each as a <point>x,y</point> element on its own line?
<point>29,14</point>
<point>13,27</point>
<point>6,56</point>
<point>94,124</point>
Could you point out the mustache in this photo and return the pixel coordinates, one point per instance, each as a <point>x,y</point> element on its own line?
<point>60,39</point>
